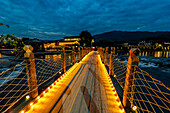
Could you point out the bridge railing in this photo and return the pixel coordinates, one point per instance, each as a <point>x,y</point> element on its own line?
<point>28,78</point>
<point>142,92</point>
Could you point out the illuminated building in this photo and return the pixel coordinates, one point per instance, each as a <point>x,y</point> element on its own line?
<point>72,38</point>
<point>68,43</point>
<point>50,45</point>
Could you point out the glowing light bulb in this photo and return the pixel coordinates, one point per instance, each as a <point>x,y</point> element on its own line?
<point>134,108</point>
<point>38,97</point>
<point>43,92</point>
<point>22,111</point>
<point>123,110</point>
<point>60,72</point>
<point>27,97</point>
<point>119,103</point>
<point>31,103</point>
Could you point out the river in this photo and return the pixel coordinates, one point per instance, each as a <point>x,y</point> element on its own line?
<point>156,63</point>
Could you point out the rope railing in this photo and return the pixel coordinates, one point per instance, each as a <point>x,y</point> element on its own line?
<point>145,93</point>
<point>14,82</point>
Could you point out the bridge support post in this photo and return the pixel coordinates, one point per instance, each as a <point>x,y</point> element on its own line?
<point>88,50</point>
<point>103,54</point>
<point>129,87</point>
<point>79,54</point>
<point>106,54</point>
<point>111,65</point>
<point>73,55</point>
<point>85,50</point>
<point>100,52</point>
<point>30,71</point>
<point>82,52</point>
<point>63,59</point>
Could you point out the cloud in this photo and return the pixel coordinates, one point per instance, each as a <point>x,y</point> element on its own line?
<point>55,33</point>
<point>54,19</point>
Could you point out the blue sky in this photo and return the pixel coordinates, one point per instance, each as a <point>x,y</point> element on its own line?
<point>55,19</point>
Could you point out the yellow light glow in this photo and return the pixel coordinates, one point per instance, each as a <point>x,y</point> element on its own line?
<point>22,111</point>
<point>134,108</point>
<point>109,85</point>
<point>123,110</point>
<point>31,103</point>
<point>119,103</point>
<point>27,97</point>
<point>38,97</point>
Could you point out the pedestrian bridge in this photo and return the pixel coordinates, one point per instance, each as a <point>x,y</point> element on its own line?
<point>86,87</point>
<point>79,82</point>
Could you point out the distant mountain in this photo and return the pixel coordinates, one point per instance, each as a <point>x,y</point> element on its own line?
<point>129,36</point>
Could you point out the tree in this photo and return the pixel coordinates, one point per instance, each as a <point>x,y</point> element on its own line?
<point>10,41</point>
<point>86,38</point>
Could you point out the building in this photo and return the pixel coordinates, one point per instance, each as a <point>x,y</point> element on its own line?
<point>35,43</point>
<point>72,38</point>
<point>50,45</point>
<point>68,43</point>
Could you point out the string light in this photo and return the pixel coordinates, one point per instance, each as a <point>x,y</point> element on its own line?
<point>27,97</point>
<point>23,111</point>
<point>120,76</point>
<point>31,103</point>
<point>134,108</point>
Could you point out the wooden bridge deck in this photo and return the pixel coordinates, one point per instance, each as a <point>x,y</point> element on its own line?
<point>84,89</point>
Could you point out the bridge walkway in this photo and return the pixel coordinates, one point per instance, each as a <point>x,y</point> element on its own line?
<point>85,88</point>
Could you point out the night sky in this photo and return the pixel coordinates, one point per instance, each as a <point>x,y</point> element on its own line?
<point>55,19</point>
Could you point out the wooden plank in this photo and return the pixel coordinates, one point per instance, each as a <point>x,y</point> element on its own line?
<point>86,89</point>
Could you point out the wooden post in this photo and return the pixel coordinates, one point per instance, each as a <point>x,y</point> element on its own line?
<point>79,54</point>
<point>85,50</point>
<point>106,55</point>
<point>111,65</point>
<point>133,62</point>
<point>100,52</point>
<point>103,55</point>
<point>73,55</point>
<point>82,53</point>
<point>64,59</point>
<point>30,71</point>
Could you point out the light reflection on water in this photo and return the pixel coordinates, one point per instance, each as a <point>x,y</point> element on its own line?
<point>165,54</point>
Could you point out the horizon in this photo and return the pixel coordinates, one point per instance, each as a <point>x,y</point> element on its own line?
<point>54,20</point>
